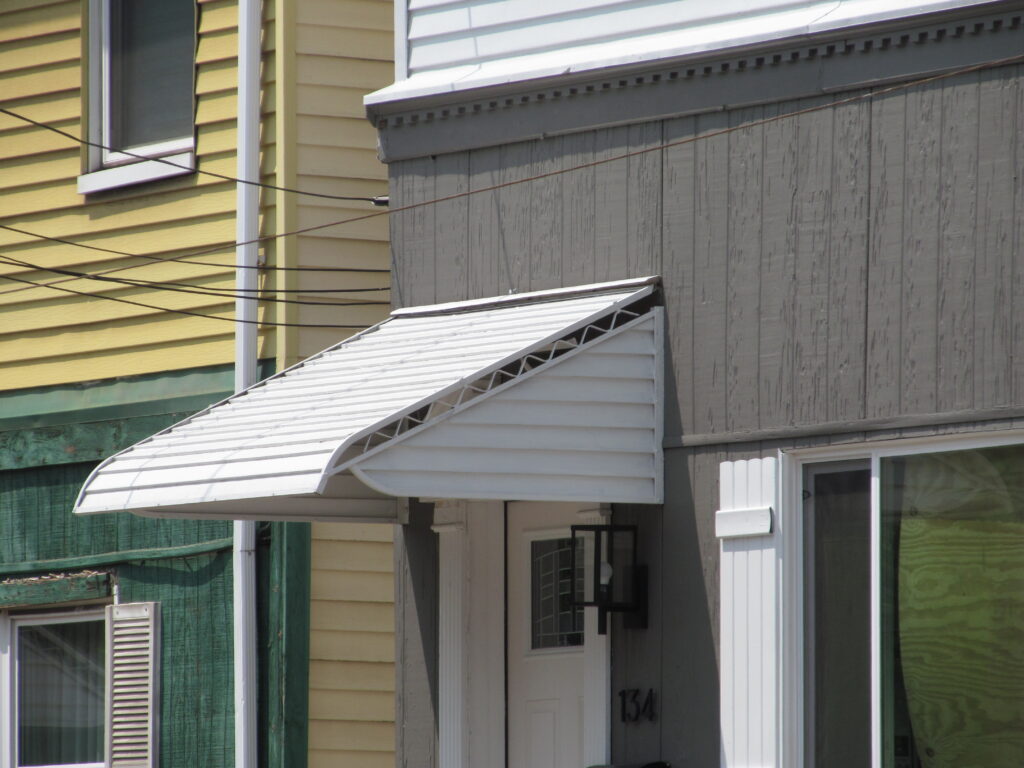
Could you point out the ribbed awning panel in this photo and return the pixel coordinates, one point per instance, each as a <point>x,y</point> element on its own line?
<point>586,426</point>
<point>287,447</point>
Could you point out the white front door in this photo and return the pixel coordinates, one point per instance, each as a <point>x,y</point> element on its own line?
<point>557,664</point>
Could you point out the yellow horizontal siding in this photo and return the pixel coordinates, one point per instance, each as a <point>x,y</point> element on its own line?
<point>63,106</point>
<point>215,229</point>
<point>351,585</point>
<point>336,100</point>
<point>50,337</point>
<point>129,361</point>
<point>352,646</point>
<point>339,132</point>
<point>328,759</point>
<point>27,53</point>
<point>332,735</point>
<point>327,212</point>
<point>337,70</point>
<point>346,252</point>
<point>352,676</point>
<point>351,695</point>
<point>348,615</point>
<point>356,14</point>
<point>352,532</point>
<point>29,143</point>
<point>343,51</point>
<point>330,161</point>
<point>373,706</point>
<point>353,555</point>
<point>48,78</point>
<point>23,20</point>
<point>355,43</point>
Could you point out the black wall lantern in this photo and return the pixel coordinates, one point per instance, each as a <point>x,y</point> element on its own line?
<point>612,579</point>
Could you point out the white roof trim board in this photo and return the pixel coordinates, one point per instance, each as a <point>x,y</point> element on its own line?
<point>452,49</point>
<point>549,396</point>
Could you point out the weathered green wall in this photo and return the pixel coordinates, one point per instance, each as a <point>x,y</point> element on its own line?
<point>194,592</point>
<point>184,565</point>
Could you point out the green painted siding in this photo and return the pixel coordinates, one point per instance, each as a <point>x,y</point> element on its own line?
<point>73,423</point>
<point>49,557</point>
<point>36,521</point>
<point>194,592</point>
<point>196,693</point>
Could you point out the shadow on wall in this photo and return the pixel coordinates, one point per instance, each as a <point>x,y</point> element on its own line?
<point>676,655</point>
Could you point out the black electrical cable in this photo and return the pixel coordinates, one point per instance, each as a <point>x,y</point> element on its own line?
<point>379,200</point>
<point>195,290</point>
<point>184,258</point>
<point>176,311</point>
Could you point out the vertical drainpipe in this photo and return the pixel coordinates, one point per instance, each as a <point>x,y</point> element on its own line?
<point>247,228</point>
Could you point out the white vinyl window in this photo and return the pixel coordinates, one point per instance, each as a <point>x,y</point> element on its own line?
<point>896,599</point>
<point>141,91</point>
<point>55,667</point>
<point>78,687</point>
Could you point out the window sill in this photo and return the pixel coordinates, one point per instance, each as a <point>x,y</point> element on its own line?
<point>136,173</point>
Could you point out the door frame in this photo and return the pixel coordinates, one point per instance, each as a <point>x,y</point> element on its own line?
<point>472,690</point>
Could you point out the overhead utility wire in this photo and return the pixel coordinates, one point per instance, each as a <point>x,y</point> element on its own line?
<point>185,258</point>
<point>176,311</point>
<point>198,290</point>
<point>867,96</point>
<point>379,200</point>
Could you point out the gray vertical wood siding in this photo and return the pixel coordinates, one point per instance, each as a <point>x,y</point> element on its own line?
<point>852,262</point>
<point>857,261</point>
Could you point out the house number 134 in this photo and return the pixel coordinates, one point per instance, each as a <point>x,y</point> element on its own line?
<point>636,704</point>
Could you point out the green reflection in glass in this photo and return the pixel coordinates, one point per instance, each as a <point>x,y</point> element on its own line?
<point>953,609</point>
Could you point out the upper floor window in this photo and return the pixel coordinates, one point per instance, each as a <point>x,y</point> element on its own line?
<point>141,91</point>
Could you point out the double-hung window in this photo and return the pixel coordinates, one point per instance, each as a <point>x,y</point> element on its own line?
<point>141,91</point>
<point>879,621</point>
<point>78,687</point>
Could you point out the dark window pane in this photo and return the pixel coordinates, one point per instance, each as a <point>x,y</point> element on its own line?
<point>60,693</point>
<point>555,622</point>
<point>152,52</point>
<point>837,617</point>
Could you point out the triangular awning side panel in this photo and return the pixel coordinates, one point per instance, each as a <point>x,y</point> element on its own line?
<point>586,428</point>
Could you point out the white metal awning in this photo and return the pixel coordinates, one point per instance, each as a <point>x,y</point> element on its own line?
<point>553,396</point>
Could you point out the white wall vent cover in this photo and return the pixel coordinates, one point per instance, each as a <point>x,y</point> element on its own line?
<point>554,395</point>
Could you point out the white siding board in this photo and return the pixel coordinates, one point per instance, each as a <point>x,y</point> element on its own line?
<point>288,435</point>
<point>453,46</point>
<point>564,414</point>
<point>613,490</point>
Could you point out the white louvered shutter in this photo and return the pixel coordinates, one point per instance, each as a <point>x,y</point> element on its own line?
<point>132,679</point>
<point>749,595</point>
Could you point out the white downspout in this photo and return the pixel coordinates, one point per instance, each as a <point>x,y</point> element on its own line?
<point>247,228</point>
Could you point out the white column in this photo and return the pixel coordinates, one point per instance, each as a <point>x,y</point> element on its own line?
<point>450,526</point>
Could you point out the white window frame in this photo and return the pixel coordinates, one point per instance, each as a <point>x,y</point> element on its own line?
<point>109,169</point>
<point>792,463</point>
<point>8,674</point>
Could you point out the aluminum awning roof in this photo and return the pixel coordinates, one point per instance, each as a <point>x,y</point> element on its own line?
<point>551,395</point>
